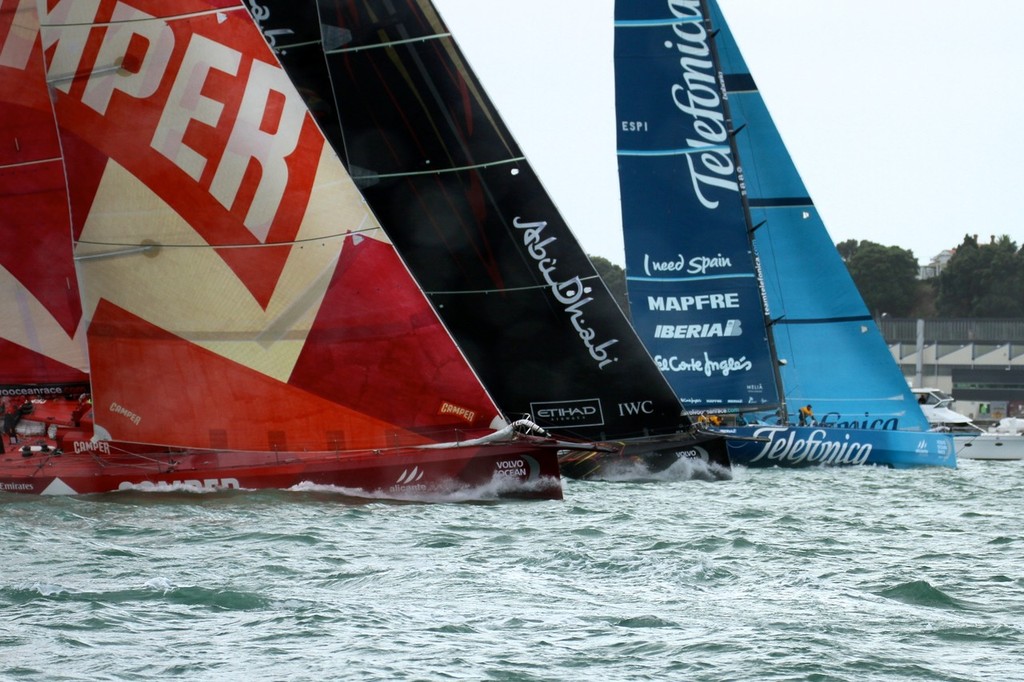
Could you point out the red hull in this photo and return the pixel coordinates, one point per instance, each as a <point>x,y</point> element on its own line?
<point>525,467</point>
<point>517,469</point>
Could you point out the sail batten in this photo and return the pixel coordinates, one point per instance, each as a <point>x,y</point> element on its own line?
<point>387,44</point>
<point>672,152</point>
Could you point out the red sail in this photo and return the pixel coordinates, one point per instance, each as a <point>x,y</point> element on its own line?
<point>40,309</point>
<point>240,293</point>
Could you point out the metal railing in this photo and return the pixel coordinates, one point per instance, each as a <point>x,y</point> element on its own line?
<point>958,330</point>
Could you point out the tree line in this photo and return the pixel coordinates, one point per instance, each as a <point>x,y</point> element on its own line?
<point>980,280</point>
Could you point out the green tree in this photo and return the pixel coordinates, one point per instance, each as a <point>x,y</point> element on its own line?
<point>847,248</point>
<point>886,277</point>
<point>982,280</point>
<point>615,278</point>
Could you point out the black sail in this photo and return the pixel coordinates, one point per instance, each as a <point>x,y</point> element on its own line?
<point>464,208</point>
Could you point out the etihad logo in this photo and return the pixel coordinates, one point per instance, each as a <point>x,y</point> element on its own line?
<point>466,414</point>
<point>698,265</point>
<point>698,331</point>
<point>568,413</point>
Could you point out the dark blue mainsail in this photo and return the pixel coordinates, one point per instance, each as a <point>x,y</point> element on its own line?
<point>693,290</point>
<point>704,174</point>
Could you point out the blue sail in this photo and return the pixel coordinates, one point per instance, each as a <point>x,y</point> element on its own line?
<point>693,290</point>
<point>720,235</point>
<point>837,359</point>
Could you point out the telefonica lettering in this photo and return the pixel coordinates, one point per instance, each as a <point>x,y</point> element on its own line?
<point>834,419</point>
<point>697,331</point>
<point>700,302</point>
<point>698,265</point>
<point>569,293</point>
<point>783,445</point>
<point>699,99</point>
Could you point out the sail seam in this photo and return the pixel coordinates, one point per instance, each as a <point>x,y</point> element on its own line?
<point>532,287</point>
<point>672,152</point>
<point>135,20</point>
<point>392,43</point>
<point>645,23</point>
<point>136,248</point>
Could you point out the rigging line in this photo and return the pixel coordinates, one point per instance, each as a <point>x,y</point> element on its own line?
<point>532,287</point>
<point>51,159</point>
<point>139,19</point>
<point>456,169</point>
<point>392,43</point>
<point>137,248</point>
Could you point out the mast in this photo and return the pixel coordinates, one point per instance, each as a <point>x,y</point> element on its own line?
<point>745,201</point>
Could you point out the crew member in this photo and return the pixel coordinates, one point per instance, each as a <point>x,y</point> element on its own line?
<point>806,415</point>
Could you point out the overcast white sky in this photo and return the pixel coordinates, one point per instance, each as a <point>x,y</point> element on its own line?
<point>905,117</point>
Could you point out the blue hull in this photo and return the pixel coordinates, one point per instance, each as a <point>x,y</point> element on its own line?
<point>804,446</point>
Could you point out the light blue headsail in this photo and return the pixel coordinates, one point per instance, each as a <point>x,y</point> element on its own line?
<point>836,357</point>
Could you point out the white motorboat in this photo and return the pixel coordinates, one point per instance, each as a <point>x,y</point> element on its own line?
<point>1002,442</point>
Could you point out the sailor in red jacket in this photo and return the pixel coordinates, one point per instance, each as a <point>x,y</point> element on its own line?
<point>11,415</point>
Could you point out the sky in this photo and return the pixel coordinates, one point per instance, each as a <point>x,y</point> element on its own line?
<point>905,118</point>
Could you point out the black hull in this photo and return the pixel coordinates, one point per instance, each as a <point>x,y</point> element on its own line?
<point>700,455</point>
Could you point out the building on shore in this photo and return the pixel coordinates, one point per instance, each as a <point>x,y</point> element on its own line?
<point>980,362</point>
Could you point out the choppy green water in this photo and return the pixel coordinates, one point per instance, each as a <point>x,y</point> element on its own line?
<point>853,574</point>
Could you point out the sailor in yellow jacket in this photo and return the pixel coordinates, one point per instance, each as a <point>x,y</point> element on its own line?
<point>806,416</point>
